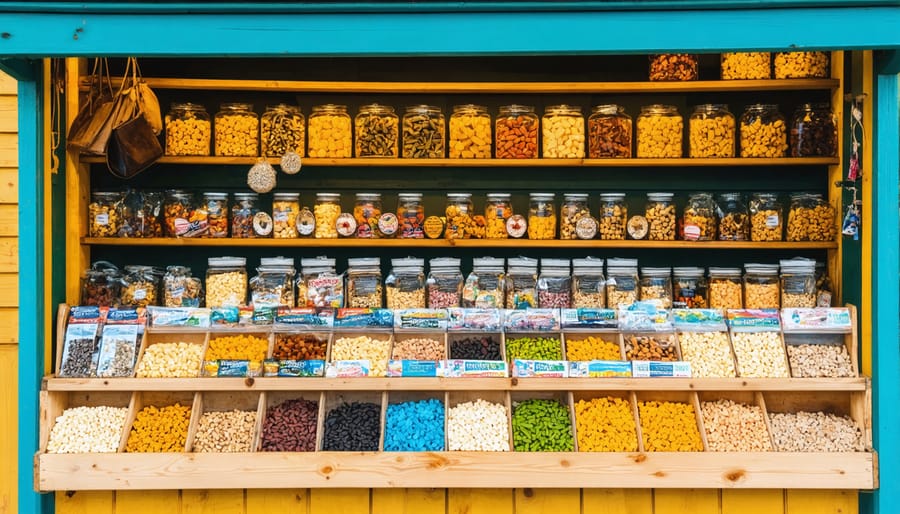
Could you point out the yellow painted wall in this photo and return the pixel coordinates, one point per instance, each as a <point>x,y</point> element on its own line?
<point>9,294</point>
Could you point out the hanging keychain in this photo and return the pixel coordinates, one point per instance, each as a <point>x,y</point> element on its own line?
<point>850,226</point>
<point>855,125</point>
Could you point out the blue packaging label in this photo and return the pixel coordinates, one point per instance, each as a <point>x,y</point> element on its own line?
<point>431,319</point>
<point>410,368</point>
<point>599,369</point>
<point>293,368</point>
<point>654,369</point>
<point>542,369</point>
<point>364,318</point>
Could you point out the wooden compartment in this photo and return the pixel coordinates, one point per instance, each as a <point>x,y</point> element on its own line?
<point>384,335</point>
<point>577,396</point>
<point>517,397</point>
<point>226,402</point>
<point>333,399</point>
<point>454,337</point>
<point>753,398</point>
<point>666,340</point>
<point>669,396</point>
<point>394,397</point>
<point>508,336</point>
<point>612,336</point>
<point>198,337</point>
<point>322,341</point>
<point>455,398</point>
<point>272,399</point>
<point>856,405</point>
<point>157,399</point>
<point>53,404</point>
<point>737,353</point>
<point>731,357</point>
<point>217,332</point>
<point>406,335</point>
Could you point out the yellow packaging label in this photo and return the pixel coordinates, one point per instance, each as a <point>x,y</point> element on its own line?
<point>434,227</point>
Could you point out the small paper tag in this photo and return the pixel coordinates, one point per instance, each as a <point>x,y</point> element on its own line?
<point>539,369</point>
<point>654,369</point>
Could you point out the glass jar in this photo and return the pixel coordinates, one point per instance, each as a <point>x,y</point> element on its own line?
<point>574,209</point>
<point>516,132</point>
<point>470,132</point>
<point>326,211</point>
<point>609,133</point>
<point>656,286</point>
<point>364,284</point>
<point>660,132</point>
<point>554,285</point>
<point>746,65</point>
<point>140,287</point>
<point>237,130</point>
<point>444,284</point>
<point>105,214</point>
<point>613,216</point>
<point>377,131</point>
<point>182,217</point>
<point>187,130</point>
<point>141,214</point>
<point>802,65</point>
<point>497,210</point>
<point>180,288</point>
<point>405,284</point>
<point>101,285</point>
<point>246,206</point>
<point>423,132</point>
<point>734,222</point>
<point>824,288</point>
<point>285,211</point>
<point>459,212</point>
<point>725,291</point>
<point>367,211</point>
<point>542,216</point>
<point>588,283</point>
<point>766,217</point>
<point>690,288</point>
<point>711,130</point>
<point>521,283</point>
<point>811,218</point>
<point>798,283</point>
<point>319,284</point>
<point>660,215</point>
<point>761,286</point>
<point>562,131</point>
<point>226,281</point>
<point>622,283</point>
<point>763,131</point>
<point>699,219</point>
<point>273,285</point>
<point>673,67</point>
<point>216,207</point>
<point>411,213</point>
<point>484,287</point>
<point>283,131</point>
<point>330,132</point>
<point>814,131</point>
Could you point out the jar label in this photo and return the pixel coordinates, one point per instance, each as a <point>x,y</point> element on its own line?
<point>691,232</point>
<point>306,223</point>
<point>388,223</point>
<point>434,227</point>
<point>345,225</point>
<point>140,294</point>
<point>586,228</point>
<point>262,224</point>
<point>772,221</point>
<point>280,216</point>
<point>516,226</point>
<point>187,228</point>
<point>101,219</point>
<point>638,227</point>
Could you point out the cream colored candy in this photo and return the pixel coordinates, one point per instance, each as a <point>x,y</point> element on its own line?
<point>478,426</point>
<point>760,355</point>
<point>708,352</point>
<point>376,351</point>
<point>175,360</point>
<point>88,430</point>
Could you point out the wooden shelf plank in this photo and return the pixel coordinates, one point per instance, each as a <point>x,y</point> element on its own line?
<point>457,384</point>
<point>451,243</point>
<point>82,472</point>
<point>499,163</point>
<point>696,86</point>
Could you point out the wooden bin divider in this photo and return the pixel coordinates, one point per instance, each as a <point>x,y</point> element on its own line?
<point>753,398</point>
<point>333,399</point>
<point>54,403</point>
<point>271,399</point>
<point>613,336</point>
<point>455,398</point>
<point>629,396</point>
<point>688,397</point>
<point>226,401</point>
<point>141,399</point>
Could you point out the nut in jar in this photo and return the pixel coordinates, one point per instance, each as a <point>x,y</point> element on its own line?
<point>656,286</point>
<point>237,130</point>
<point>673,67</point>
<point>330,132</point>
<point>763,132</point>
<point>423,132</point>
<point>613,216</point>
<point>226,281</point>
<point>283,131</point>
<point>762,289</point>
<point>734,221</point>
<point>798,283</point>
<point>377,131</point>
<point>622,283</point>
<point>140,286</point>
<point>104,214</point>
<point>659,132</point>
<point>367,211</point>
<point>180,289</point>
<point>811,218</point>
<point>746,65</point>
<point>562,129</point>
<point>699,219</point>
<point>516,133</point>
<point>245,208</point>
<point>470,132</point>
<point>725,291</point>
<point>814,131</point>
<point>187,130</point>
<point>542,216</point>
<point>609,132</point>
<point>711,128</point>
<point>574,209</point>
<point>285,212</point>
<point>660,215</point>
<point>802,65</point>
<point>327,212</point>
<point>497,211</point>
<point>183,218</point>
<point>766,218</point>
<point>216,207</point>
<point>460,216</point>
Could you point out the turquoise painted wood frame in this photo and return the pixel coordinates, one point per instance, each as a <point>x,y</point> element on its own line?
<point>49,29</point>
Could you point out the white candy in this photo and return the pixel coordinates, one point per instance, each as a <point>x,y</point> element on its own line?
<point>760,355</point>
<point>87,430</point>
<point>478,426</point>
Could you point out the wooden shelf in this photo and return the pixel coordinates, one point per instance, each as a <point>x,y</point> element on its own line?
<point>453,243</point>
<point>697,86</point>
<point>499,163</point>
<point>455,384</point>
<point>82,472</point>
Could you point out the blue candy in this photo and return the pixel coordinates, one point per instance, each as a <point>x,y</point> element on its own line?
<point>415,426</point>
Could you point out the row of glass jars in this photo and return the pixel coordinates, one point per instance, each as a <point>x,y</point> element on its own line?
<point>727,218</point>
<point>743,66</point>
<point>763,132</point>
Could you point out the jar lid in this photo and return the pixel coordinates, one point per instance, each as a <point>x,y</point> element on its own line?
<point>363,262</point>
<point>247,196</point>
<point>178,193</point>
<point>725,272</point>
<point>186,106</point>
<point>562,109</point>
<point>761,269</point>
<point>711,107</point>
<point>371,197</point>
<point>409,196</point>
<point>444,262</point>
<point>621,263</point>
<point>587,262</point>
<point>656,272</point>
<point>798,265</point>
<point>522,262</point>
<point>317,262</point>
<point>328,197</point>
<point>498,196</point>
<point>423,109</point>
<point>612,196</point>
<point>767,196</point>
<point>329,107</point>
<point>730,196</point>
<point>178,270</point>
<point>226,262</point>
<point>286,196</point>
<point>555,263</point>
<point>660,197</point>
<point>106,194</point>
<point>291,109</point>
<point>608,109</point>
<point>276,261</point>
<point>576,196</point>
<point>236,106</point>
<point>376,108</point>
<point>408,262</point>
<point>806,196</point>
<point>542,196</point>
<point>687,272</point>
<point>761,107</point>
<point>819,106</point>
<point>469,107</point>
<point>487,262</point>
<point>459,196</point>
<point>216,196</point>
<point>659,109</point>
<point>516,108</point>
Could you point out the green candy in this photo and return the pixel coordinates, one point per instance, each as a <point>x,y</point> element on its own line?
<point>542,426</point>
<point>534,348</point>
